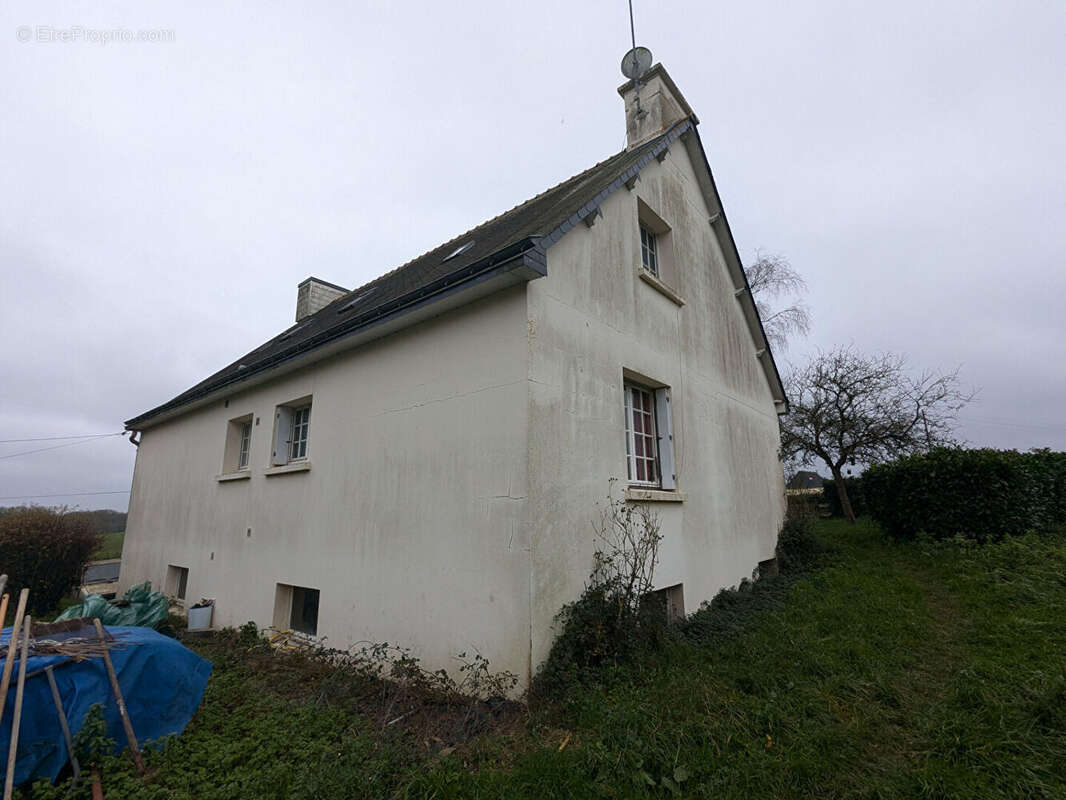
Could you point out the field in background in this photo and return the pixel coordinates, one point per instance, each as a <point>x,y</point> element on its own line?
<point>110,546</point>
<point>895,670</point>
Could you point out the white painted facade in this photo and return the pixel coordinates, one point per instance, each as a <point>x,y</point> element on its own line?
<point>456,466</point>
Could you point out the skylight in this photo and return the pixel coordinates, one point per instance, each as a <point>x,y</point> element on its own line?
<point>459,251</point>
<point>356,300</point>
<point>289,333</point>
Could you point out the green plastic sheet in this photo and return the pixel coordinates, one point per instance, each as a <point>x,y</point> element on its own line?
<point>139,607</point>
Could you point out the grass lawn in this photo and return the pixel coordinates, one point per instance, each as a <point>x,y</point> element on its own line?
<point>110,546</point>
<point>893,670</point>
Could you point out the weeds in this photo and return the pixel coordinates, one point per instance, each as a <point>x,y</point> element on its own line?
<point>868,668</point>
<point>615,622</point>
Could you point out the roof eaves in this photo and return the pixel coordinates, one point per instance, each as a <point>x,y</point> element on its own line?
<point>720,222</point>
<point>668,137</point>
<point>527,248</point>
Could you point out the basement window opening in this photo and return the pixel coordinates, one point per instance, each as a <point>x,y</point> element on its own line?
<point>177,582</point>
<point>671,600</point>
<point>296,608</point>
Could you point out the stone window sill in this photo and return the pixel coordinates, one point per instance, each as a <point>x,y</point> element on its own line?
<point>641,494</point>
<point>243,475</point>
<point>661,287</point>
<point>285,469</point>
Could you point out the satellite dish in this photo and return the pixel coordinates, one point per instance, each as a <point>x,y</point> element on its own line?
<point>636,62</point>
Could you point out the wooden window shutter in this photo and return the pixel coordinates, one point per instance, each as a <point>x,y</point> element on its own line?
<point>666,439</point>
<point>282,432</point>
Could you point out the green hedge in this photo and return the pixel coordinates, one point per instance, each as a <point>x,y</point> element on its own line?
<point>979,494</point>
<point>45,551</point>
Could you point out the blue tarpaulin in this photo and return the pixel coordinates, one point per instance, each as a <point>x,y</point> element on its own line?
<point>162,683</point>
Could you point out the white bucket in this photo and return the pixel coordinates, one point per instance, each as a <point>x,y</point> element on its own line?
<point>200,618</point>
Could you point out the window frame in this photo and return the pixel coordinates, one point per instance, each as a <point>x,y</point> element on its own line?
<point>290,601</point>
<point>244,446</point>
<point>658,402</point>
<point>647,410</point>
<point>236,463</point>
<point>649,249</point>
<point>300,423</point>
<point>292,434</point>
<point>659,270</point>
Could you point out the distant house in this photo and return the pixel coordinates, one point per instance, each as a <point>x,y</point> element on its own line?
<point>804,479</point>
<point>420,460</point>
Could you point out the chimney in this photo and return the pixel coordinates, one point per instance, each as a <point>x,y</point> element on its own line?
<point>652,106</point>
<point>313,295</point>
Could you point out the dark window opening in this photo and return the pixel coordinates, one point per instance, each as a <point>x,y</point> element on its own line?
<point>304,616</point>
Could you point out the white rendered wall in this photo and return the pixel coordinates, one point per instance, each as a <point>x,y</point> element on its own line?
<point>592,317</point>
<point>409,521</point>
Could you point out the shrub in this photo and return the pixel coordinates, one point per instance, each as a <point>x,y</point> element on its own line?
<point>977,494</point>
<point>805,505</point>
<point>45,551</point>
<point>616,620</point>
<point>856,494</point>
<point>797,547</point>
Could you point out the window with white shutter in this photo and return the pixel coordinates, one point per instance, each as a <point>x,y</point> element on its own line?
<point>292,432</point>
<point>649,437</point>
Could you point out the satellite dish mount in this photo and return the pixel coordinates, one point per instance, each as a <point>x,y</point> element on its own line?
<point>636,62</point>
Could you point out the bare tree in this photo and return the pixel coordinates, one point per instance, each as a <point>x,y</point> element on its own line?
<point>848,408</point>
<point>772,277</point>
<point>629,537</point>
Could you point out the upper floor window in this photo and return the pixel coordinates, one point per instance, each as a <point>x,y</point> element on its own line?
<point>245,445</point>
<point>301,423</point>
<point>238,445</point>
<point>649,251</point>
<point>292,431</point>
<point>649,436</point>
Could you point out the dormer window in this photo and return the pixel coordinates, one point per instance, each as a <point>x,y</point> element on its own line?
<point>649,251</point>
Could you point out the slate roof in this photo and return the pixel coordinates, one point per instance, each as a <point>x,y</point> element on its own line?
<point>805,479</point>
<point>529,227</point>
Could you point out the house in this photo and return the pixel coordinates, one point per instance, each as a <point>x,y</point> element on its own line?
<point>805,480</point>
<point>420,460</point>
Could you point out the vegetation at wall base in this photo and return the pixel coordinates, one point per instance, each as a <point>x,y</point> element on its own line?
<point>884,669</point>
<point>977,494</point>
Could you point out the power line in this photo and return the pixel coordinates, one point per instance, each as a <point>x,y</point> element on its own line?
<point>54,447</point>
<point>57,438</point>
<point>68,494</point>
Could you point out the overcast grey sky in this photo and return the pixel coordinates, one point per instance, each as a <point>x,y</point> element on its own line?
<point>161,200</point>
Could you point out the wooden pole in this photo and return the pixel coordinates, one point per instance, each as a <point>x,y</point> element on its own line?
<point>63,723</point>
<point>12,648</point>
<point>3,607</point>
<point>9,782</point>
<point>126,724</point>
